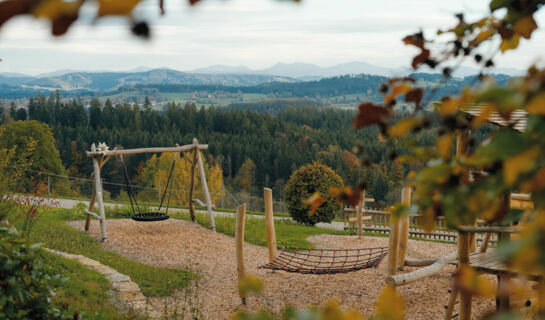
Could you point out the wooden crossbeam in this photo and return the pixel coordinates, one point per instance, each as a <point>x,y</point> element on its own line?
<point>147,150</point>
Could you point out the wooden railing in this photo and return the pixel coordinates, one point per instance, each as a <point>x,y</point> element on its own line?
<point>379,222</point>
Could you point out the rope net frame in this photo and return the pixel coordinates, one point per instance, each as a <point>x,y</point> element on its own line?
<point>326,261</point>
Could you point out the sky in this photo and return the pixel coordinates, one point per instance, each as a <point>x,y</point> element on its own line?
<point>253,33</point>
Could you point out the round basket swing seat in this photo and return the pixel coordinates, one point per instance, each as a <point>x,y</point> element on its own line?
<point>150,216</point>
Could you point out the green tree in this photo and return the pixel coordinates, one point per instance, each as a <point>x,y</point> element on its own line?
<point>312,179</point>
<point>45,156</point>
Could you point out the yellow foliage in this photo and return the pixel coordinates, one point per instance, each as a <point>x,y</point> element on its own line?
<point>314,201</point>
<point>518,164</point>
<point>52,9</point>
<point>537,105</point>
<point>525,26</point>
<point>510,44</point>
<point>398,90</point>
<point>403,127</point>
<point>444,146</point>
<point>249,284</point>
<point>467,280</point>
<point>116,7</point>
<point>390,304</point>
<point>158,168</point>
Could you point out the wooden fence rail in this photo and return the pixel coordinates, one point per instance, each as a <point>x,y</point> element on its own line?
<point>380,223</point>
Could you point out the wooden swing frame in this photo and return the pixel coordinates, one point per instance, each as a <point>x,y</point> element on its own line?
<point>101,157</point>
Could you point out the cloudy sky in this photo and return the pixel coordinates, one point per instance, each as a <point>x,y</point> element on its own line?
<point>253,33</point>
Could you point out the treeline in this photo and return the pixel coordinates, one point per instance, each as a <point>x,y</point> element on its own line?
<point>253,149</point>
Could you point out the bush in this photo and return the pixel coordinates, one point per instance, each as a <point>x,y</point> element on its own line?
<point>303,183</point>
<point>26,285</point>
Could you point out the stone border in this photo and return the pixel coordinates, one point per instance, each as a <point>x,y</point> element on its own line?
<point>126,293</point>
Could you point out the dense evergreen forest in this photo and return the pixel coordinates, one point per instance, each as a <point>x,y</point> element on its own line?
<point>266,141</point>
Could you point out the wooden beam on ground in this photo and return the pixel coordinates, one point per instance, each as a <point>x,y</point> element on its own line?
<point>204,185</point>
<point>147,150</point>
<point>239,241</point>
<point>404,229</point>
<point>431,270</point>
<point>269,224</point>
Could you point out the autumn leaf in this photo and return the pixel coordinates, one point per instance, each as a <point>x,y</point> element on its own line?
<point>12,8</point>
<point>449,106</point>
<point>370,114</point>
<point>518,164</point>
<point>422,57</point>
<point>468,281</point>
<point>510,43</point>
<point>525,26</point>
<point>390,304</point>
<point>403,127</point>
<point>314,201</point>
<point>116,7</point>
<point>346,194</point>
<point>444,146</point>
<point>482,36</point>
<point>249,284</point>
<point>415,96</point>
<point>416,40</point>
<point>396,91</point>
<point>537,105</point>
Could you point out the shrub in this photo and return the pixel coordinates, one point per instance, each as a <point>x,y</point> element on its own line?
<point>26,284</point>
<point>303,183</point>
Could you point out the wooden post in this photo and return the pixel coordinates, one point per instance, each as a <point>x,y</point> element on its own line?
<point>404,229</point>
<point>503,301</point>
<point>204,186</point>
<point>451,303</point>
<point>91,206</point>
<point>462,150</point>
<point>98,188</point>
<point>269,223</point>
<point>192,185</point>
<point>359,209</point>
<point>393,246</point>
<point>463,262</point>
<point>239,240</point>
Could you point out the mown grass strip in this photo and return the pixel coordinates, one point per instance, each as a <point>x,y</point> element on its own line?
<point>52,231</point>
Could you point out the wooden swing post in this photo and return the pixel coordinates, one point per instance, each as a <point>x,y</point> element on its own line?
<point>359,211</point>
<point>269,224</point>
<point>192,185</point>
<point>204,185</point>
<point>239,241</point>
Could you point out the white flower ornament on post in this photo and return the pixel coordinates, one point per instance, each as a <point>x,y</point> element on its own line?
<point>103,148</point>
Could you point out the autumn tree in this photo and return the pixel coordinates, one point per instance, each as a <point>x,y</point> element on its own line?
<point>156,171</point>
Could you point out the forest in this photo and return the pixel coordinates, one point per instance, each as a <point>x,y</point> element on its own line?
<point>256,145</point>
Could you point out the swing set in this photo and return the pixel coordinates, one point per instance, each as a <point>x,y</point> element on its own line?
<point>101,155</point>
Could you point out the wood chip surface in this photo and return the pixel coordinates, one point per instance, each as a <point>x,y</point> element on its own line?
<point>184,245</point>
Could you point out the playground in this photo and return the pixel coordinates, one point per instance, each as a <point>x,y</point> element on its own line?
<point>181,244</point>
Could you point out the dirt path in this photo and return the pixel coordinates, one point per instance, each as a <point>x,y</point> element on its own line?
<point>181,244</point>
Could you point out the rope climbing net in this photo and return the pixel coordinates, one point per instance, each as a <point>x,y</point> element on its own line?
<point>326,261</point>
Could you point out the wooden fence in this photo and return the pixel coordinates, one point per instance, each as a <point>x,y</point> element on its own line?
<point>379,222</point>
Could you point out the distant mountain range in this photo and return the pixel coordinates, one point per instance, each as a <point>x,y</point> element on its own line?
<point>78,80</point>
<point>305,71</point>
<point>102,81</point>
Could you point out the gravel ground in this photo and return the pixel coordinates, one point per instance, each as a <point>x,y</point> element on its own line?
<point>181,244</point>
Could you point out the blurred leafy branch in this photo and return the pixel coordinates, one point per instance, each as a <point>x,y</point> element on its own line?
<point>63,13</point>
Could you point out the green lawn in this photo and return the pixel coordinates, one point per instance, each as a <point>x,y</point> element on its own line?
<point>288,233</point>
<point>85,291</point>
<point>52,231</point>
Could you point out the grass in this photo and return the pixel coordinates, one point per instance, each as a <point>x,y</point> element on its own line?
<point>85,292</point>
<point>288,233</point>
<point>53,233</point>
